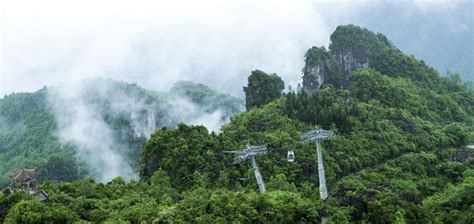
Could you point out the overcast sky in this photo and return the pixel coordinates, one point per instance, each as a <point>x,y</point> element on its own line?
<point>155,43</point>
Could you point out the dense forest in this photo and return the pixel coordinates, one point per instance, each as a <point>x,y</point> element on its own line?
<point>400,154</point>
<point>30,136</point>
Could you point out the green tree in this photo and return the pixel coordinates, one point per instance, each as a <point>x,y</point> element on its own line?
<point>262,88</point>
<point>34,211</point>
<point>180,152</point>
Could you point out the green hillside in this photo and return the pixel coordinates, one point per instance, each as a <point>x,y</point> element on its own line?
<point>29,135</point>
<point>399,155</point>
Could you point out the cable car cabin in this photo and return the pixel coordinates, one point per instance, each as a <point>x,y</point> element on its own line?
<point>291,156</point>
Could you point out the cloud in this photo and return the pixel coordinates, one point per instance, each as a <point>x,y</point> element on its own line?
<point>82,125</point>
<point>155,43</point>
<point>105,121</point>
<point>183,110</point>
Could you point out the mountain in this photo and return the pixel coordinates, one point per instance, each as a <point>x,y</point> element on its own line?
<point>399,155</point>
<point>68,132</point>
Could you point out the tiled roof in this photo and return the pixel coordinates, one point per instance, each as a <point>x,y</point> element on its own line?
<point>23,175</point>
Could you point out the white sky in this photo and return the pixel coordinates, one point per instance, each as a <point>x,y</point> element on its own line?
<point>155,43</point>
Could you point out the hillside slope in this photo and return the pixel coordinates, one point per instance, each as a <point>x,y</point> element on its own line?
<point>59,130</point>
<point>398,156</point>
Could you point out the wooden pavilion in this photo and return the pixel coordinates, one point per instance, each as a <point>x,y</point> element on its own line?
<point>24,179</point>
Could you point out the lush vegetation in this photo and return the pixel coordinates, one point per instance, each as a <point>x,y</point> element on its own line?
<point>262,88</point>
<point>27,139</point>
<point>398,157</point>
<point>29,132</point>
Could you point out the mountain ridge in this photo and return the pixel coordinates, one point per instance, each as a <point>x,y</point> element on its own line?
<point>398,156</point>
<point>35,116</point>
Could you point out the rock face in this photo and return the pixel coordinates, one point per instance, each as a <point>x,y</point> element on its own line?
<point>324,67</point>
<point>314,77</point>
<point>350,62</point>
<point>143,123</point>
<point>317,62</point>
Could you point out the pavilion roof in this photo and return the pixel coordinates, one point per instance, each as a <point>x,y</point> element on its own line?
<point>23,175</point>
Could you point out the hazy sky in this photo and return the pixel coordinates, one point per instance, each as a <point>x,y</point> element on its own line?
<point>155,43</point>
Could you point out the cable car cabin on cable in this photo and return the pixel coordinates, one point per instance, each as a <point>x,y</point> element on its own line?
<point>291,156</point>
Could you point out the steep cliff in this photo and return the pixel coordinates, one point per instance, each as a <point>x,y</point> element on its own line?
<point>351,48</point>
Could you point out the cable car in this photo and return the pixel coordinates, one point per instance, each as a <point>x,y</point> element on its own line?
<point>291,156</point>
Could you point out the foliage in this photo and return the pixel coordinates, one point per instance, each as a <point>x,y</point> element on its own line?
<point>319,61</point>
<point>360,41</point>
<point>209,98</point>
<point>179,152</point>
<point>27,137</point>
<point>29,132</point>
<point>262,88</point>
<point>33,211</point>
<point>351,46</point>
<point>455,204</point>
<point>397,158</point>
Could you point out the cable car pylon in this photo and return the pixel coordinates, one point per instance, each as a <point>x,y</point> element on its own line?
<point>317,136</point>
<point>249,153</point>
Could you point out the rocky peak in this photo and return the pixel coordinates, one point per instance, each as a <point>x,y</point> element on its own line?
<point>351,48</point>
<point>315,70</point>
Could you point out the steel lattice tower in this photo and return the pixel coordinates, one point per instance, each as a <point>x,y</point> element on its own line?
<point>249,153</point>
<point>316,136</point>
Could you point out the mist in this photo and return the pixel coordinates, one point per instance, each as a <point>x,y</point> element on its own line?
<point>156,43</point>
<point>104,119</point>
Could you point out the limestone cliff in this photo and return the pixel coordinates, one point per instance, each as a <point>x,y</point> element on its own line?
<point>351,48</point>
<point>315,70</point>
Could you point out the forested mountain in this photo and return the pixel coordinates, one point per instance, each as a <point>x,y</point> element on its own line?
<point>399,155</point>
<point>35,128</point>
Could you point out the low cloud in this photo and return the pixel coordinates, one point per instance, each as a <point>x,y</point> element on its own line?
<point>156,43</point>
<point>185,111</point>
<point>102,119</point>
